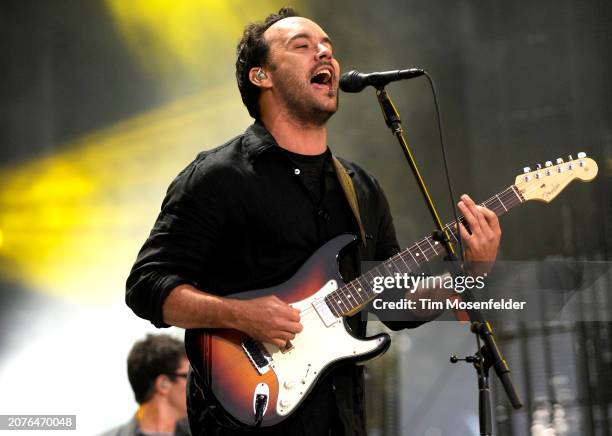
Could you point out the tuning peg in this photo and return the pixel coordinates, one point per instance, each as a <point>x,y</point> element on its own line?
<point>526,170</point>
<point>570,157</point>
<point>548,163</point>
<point>581,155</point>
<point>559,161</point>
<point>539,167</point>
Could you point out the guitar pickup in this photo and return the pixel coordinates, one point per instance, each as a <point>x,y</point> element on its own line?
<point>321,307</point>
<point>258,356</point>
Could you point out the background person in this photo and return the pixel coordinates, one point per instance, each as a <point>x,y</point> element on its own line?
<point>157,370</point>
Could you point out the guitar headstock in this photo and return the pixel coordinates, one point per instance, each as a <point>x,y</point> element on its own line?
<point>545,183</point>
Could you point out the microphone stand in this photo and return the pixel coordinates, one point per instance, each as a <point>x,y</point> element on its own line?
<point>489,355</point>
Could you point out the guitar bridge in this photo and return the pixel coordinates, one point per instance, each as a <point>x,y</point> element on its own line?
<point>257,354</point>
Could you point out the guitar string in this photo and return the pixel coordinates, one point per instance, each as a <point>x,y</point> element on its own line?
<point>344,292</point>
<point>507,199</point>
<point>496,201</point>
<point>508,194</point>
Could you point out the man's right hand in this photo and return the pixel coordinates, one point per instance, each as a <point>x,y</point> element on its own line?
<point>268,319</point>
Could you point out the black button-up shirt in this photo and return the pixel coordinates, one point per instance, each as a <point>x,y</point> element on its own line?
<point>240,217</point>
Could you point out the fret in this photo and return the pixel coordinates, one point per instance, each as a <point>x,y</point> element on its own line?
<point>421,250</point>
<point>413,258</point>
<point>367,288</point>
<point>373,273</point>
<point>402,257</point>
<point>338,300</point>
<point>348,293</point>
<point>453,228</point>
<point>337,303</point>
<point>351,298</point>
<point>496,202</point>
<point>516,193</point>
<point>361,287</point>
<point>490,204</point>
<point>502,203</point>
<point>391,265</point>
<point>415,254</point>
<point>352,295</point>
<point>387,270</point>
<point>515,196</point>
<point>346,301</point>
<point>332,306</point>
<point>431,245</point>
<point>450,230</point>
<point>436,245</point>
<point>510,197</point>
<point>348,296</point>
<point>505,200</point>
<point>359,290</point>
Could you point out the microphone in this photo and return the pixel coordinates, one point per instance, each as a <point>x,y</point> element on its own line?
<point>354,81</point>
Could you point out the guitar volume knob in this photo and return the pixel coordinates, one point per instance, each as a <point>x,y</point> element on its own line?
<point>526,170</point>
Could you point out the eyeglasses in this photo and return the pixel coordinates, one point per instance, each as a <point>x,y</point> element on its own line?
<point>178,374</point>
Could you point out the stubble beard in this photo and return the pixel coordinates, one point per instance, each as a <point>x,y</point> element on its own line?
<point>301,104</point>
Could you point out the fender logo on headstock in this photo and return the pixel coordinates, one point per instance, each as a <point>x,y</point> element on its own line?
<point>556,177</point>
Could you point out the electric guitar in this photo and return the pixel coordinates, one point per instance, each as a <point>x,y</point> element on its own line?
<point>260,384</point>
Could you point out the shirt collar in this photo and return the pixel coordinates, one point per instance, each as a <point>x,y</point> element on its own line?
<point>257,140</point>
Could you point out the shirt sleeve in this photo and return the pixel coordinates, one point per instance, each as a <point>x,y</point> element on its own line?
<point>180,243</point>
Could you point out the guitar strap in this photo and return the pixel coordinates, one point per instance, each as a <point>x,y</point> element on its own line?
<point>350,194</point>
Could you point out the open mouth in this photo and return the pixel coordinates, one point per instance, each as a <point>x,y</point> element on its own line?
<point>323,79</point>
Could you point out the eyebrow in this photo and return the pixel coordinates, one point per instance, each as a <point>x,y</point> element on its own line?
<point>307,36</point>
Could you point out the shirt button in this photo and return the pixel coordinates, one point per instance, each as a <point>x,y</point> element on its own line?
<point>296,171</point>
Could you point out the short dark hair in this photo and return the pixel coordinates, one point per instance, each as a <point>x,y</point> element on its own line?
<point>153,356</point>
<point>252,51</point>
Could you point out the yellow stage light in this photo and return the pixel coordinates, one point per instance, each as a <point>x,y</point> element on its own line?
<point>72,222</point>
<point>186,42</point>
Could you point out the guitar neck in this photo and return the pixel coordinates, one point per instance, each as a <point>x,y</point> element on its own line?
<point>355,295</point>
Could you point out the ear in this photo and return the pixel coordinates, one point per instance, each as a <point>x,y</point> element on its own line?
<point>259,77</point>
<point>162,384</point>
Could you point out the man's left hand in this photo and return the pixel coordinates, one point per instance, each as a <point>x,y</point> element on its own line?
<point>482,241</point>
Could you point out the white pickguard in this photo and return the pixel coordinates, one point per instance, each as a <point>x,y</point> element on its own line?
<point>314,348</point>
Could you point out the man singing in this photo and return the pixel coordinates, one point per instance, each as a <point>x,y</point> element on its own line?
<point>246,215</point>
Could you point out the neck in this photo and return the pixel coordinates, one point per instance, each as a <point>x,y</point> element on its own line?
<point>295,136</point>
<point>156,417</point>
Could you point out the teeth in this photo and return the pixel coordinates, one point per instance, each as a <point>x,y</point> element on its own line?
<point>325,73</point>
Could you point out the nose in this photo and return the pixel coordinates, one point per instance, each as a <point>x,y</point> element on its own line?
<point>324,51</point>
